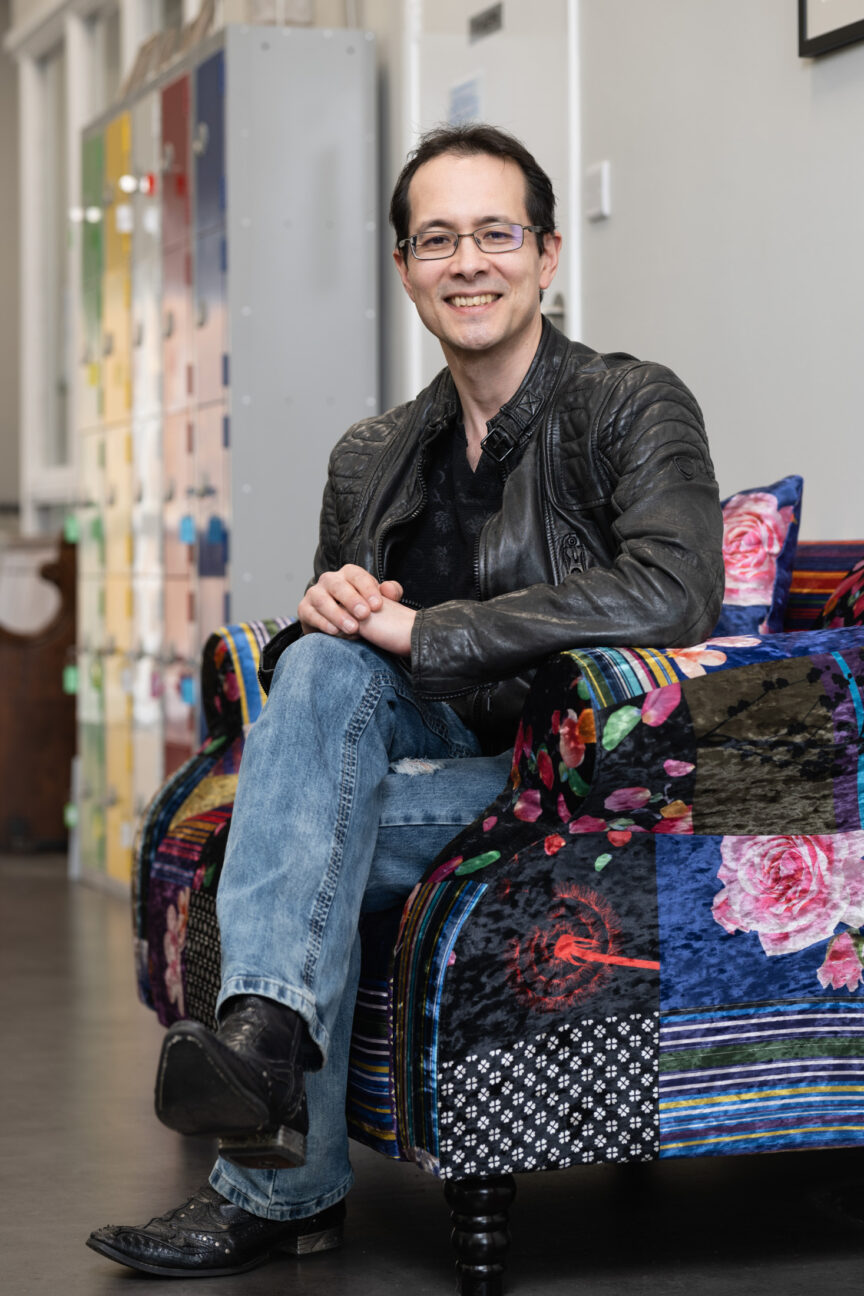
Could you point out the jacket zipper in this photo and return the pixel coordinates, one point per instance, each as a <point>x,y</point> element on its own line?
<point>547,510</point>
<point>398,522</point>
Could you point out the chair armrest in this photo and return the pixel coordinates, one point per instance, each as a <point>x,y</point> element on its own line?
<point>495,964</point>
<point>738,735</point>
<point>231,695</point>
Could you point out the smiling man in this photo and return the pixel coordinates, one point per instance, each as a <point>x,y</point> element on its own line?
<point>535,497</point>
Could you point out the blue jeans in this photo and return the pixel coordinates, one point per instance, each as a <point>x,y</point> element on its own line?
<point>349,786</point>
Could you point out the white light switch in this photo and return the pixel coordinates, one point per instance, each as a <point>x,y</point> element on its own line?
<point>597,191</point>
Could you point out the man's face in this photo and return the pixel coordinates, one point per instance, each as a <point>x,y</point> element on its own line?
<point>475,302</point>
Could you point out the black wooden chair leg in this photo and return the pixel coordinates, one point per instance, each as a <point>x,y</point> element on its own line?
<point>481,1236</point>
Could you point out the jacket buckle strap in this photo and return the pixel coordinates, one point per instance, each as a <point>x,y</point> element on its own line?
<point>498,444</point>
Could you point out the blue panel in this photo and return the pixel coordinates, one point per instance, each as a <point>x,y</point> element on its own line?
<point>209,132</point>
<point>211,325</point>
<point>213,548</point>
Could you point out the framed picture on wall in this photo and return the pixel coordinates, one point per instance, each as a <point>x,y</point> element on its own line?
<point>827,24</point>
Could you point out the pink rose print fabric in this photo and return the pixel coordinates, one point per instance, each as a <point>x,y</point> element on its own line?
<point>793,891</point>
<point>754,532</point>
<point>760,537</point>
<point>842,966</point>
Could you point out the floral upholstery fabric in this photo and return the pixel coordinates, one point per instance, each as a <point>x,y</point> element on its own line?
<point>760,535</point>
<point>845,607</point>
<point>649,945</point>
<point>663,955</point>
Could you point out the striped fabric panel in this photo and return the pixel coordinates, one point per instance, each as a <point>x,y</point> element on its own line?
<point>245,642</point>
<point>369,1107</point>
<point>820,565</point>
<point>768,1078</point>
<point>181,849</point>
<point>152,828</point>
<point>154,824</point>
<point>616,674</point>
<point>425,943</point>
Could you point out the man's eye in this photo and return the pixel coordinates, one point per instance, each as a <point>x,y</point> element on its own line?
<point>434,240</point>
<point>498,234</point>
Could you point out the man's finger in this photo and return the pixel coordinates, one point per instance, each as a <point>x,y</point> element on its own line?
<point>364,582</point>
<point>391,589</point>
<point>319,606</point>
<point>333,587</point>
<point>355,589</point>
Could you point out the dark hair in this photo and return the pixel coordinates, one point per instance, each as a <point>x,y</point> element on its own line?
<point>476,137</point>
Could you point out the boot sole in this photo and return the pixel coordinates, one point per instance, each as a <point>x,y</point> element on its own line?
<point>273,1149</point>
<point>305,1244</point>
<point>199,1091</point>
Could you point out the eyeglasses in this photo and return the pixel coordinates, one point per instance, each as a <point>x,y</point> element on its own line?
<point>434,245</point>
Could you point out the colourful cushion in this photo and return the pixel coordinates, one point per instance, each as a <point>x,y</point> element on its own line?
<point>760,536</point>
<point>845,607</point>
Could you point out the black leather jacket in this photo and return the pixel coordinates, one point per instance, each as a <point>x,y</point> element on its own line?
<point>609,532</point>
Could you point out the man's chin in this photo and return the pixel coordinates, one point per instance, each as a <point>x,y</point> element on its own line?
<point>470,337</point>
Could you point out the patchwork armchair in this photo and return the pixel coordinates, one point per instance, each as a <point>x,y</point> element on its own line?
<point>650,945</point>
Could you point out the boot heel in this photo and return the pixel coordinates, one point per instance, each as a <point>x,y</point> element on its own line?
<point>309,1243</point>
<point>279,1149</point>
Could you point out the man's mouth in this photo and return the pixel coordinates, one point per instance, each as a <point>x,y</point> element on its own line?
<point>480,299</point>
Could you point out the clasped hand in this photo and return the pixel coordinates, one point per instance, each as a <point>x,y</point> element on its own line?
<point>350,602</point>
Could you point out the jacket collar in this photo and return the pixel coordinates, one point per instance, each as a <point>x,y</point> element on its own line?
<point>516,418</point>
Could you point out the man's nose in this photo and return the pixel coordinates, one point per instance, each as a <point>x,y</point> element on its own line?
<point>468,259</point>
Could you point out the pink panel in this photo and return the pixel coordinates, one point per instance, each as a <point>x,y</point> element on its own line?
<point>178,511</point>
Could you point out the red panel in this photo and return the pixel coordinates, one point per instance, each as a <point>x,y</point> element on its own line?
<point>176,207</point>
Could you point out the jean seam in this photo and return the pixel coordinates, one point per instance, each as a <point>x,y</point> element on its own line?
<point>327,890</point>
<point>437,726</point>
<point>232,1192</point>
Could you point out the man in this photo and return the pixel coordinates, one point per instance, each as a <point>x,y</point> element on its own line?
<point>535,497</point>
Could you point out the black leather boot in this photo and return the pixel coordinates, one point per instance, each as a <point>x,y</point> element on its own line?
<point>208,1237</point>
<point>243,1082</point>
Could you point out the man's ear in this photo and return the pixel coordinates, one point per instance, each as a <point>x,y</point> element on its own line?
<point>549,258</point>
<point>402,267</point>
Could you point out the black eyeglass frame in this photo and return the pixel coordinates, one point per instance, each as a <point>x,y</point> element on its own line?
<point>411,240</point>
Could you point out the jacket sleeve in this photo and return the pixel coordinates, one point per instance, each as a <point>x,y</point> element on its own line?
<point>665,585</point>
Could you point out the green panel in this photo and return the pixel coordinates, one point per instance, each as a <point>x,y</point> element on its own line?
<point>91,738</point>
<point>92,182</point>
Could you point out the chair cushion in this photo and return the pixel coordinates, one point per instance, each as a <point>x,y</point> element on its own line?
<point>760,537</point>
<point>845,606</point>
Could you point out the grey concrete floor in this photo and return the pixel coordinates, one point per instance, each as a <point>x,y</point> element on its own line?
<point>80,1147</point>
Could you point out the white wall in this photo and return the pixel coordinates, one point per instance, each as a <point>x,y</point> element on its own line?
<point>9,488</point>
<point>522,72</point>
<point>735,249</point>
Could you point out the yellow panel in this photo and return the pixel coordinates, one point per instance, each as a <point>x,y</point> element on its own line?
<point>116,347</point>
<point>117,273</point>
<point>118,205</point>
<point>118,612</point>
<point>118,501</point>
